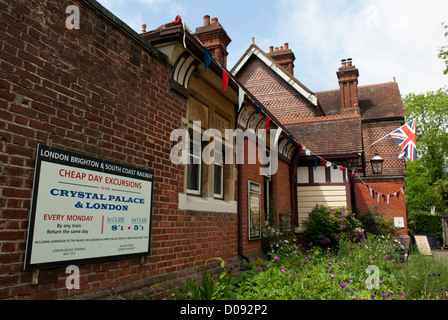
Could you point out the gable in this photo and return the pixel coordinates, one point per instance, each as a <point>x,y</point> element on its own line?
<point>278,96</point>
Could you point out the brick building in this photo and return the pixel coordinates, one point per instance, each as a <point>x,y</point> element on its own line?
<point>95,102</point>
<point>100,103</point>
<point>338,127</point>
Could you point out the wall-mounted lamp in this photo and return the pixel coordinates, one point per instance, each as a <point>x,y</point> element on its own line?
<point>377,164</point>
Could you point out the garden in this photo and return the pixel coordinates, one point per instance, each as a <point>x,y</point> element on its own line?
<point>337,258</point>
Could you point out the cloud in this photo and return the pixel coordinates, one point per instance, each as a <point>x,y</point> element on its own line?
<point>385,38</point>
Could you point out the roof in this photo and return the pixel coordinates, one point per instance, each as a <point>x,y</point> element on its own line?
<point>254,50</point>
<point>376,102</point>
<point>329,136</point>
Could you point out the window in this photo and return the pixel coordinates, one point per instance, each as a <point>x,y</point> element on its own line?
<point>209,183</point>
<point>194,167</point>
<point>336,175</point>
<point>320,175</point>
<point>218,179</point>
<point>303,175</point>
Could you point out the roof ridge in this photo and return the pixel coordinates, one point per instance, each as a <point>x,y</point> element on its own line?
<point>363,86</point>
<point>330,117</point>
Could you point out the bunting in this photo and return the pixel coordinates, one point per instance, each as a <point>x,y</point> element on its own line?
<point>207,58</point>
<point>288,142</point>
<point>267,123</point>
<point>277,135</point>
<point>225,80</point>
<point>240,97</point>
<point>377,195</point>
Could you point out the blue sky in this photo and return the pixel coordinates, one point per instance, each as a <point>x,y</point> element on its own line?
<point>385,38</point>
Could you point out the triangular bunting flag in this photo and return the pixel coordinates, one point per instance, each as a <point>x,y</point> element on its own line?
<point>240,98</point>
<point>277,135</point>
<point>225,80</point>
<point>267,123</point>
<point>288,142</point>
<point>207,59</point>
<point>257,109</point>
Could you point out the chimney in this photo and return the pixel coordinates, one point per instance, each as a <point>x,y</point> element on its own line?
<point>284,57</point>
<point>348,82</point>
<point>214,38</point>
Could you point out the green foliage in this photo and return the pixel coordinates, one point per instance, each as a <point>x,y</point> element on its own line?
<point>322,274</point>
<point>326,226</point>
<point>426,278</point>
<point>206,288</point>
<point>376,223</point>
<point>425,176</point>
<point>443,52</point>
<point>425,223</point>
<point>277,242</point>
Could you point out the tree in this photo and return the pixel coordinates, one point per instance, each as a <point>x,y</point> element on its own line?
<point>443,52</point>
<point>424,175</point>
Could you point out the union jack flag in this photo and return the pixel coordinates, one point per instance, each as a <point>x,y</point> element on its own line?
<point>405,137</point>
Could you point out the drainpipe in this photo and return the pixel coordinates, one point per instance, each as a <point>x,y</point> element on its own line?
<point>240,213</point>
<point>293,182</point>
<point>240,202</point>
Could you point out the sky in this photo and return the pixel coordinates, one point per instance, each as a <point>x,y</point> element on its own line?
<point>386,39</point>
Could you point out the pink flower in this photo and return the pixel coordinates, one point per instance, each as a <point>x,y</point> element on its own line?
<point>342,284</point>
<point>332,276</point>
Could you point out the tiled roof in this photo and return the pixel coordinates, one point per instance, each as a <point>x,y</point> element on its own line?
<point>332,135</point>
<point>376,101</point>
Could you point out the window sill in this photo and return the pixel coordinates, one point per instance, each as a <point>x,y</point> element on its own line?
<point>195,203</point>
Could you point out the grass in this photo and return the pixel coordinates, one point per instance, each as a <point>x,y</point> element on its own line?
<point>364,271</point>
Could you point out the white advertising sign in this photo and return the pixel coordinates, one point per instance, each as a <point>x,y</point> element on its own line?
<point>87,210</point>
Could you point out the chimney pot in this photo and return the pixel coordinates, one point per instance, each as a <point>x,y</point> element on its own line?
<point>143,28</point>
<point>281,48</point>
<point>206,20</point>
<point>286,46</point>
<point>344,62</point>
<point>276,48</point>
<point>214,20</point>
<point>271,49</point>
<point>349,61</point>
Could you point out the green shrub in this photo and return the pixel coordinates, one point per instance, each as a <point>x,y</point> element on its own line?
<point>377,224</point>
<point>326,226</point>
<point>425,223</point>
<point>277,242</point>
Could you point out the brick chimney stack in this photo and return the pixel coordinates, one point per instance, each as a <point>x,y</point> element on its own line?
<point>284,57</point>
<point>348,82</point>
<point>214,38</point>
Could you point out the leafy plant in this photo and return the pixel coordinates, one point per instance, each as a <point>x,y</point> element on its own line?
<point>326,226</point>
<point>376,223</point>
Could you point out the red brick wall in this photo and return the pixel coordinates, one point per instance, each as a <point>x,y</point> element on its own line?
<point>396,206</point>
<point>99,92</point>
<point>281,194</point>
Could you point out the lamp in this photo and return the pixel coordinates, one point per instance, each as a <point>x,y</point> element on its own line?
<point>377,164</point>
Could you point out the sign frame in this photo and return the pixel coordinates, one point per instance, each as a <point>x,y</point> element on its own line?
<point>423,244</point>
<point>254,210</point>
<point>134,176</point>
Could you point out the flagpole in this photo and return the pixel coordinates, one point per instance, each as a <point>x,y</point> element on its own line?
<point>377,141</point>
